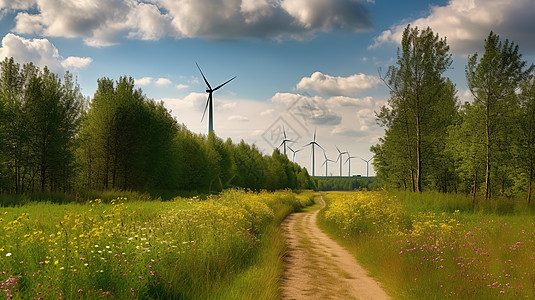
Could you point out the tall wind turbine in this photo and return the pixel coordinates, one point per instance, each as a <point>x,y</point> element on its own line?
<point>348,160</point>
<point>326,162</point>
<point>340,157</point>
<point>285,140</point>
<point>210,91</point>
<point>367,163</point>
<point>313,143</point>
<point>294,152</point>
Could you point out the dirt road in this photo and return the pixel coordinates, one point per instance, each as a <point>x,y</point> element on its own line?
<point>318,268</point>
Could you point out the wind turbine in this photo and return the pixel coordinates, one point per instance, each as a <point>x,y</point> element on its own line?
<point>367,162</point>
<point>285,140</point>
<point>340,157</point>
<point>313,143</point>
<point>294,152</point>
<point>210,90</point>
<point>349,157</point>
<point>326,162</point>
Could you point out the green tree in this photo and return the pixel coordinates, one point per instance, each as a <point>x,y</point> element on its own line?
<point>422,104</point>
<point>492,80</point>
<point>527,141</point>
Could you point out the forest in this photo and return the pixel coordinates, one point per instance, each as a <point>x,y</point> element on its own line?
<point>56,140</point>
<point>485,147</point>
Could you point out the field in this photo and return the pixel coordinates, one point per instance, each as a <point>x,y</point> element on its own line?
<point>431,245</point>
<point>223,247</point>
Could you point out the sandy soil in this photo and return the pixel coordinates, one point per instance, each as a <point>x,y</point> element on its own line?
<point>318,268</point>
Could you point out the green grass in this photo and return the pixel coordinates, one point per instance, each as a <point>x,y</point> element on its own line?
<point>224,247</point>
<point>437,246</point>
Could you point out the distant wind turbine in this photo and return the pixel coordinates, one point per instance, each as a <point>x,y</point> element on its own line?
<point>348,160</point>
<point>285,140</point>
<point>326,162</point>
<point>340,157</point>
<point>209,103</point>
<point>367,163</point>
<point>294,152</point>
<point>313,143</point>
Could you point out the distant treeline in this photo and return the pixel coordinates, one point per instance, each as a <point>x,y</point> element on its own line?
<point>55,140</point>
<point>347,183</point>
<point>485,148</point>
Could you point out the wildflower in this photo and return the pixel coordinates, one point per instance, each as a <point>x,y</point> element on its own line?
<point>8,254</point>
<point>80,290</point>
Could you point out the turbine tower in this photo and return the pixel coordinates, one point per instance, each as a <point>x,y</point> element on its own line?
<point>294,152</point>
<point>340,157</point>
<point>285,140</point>
<point>367,162</point>
<point>313,143</point>
<point>209,103</point>
<point>326,162</point>
<point>348,160</point>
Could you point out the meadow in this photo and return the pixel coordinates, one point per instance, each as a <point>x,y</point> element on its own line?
<point>433,245</point>
<point>226,246</point>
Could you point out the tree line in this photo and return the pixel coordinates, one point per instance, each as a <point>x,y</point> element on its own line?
<point>483,148</point>
<point>55,139</point>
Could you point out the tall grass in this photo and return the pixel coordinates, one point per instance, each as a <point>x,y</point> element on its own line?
<point>431,245</point>
<point>179,249</point>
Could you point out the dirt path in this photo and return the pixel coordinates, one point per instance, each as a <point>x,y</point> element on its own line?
<point>318,268</point>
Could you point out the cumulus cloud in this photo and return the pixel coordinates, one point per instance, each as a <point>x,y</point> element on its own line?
<point>466,23</point>
<point>238,118</point>
<point>339,86</point>
<point>348,101</point>
<point>73,62</point>
<point>103,22</point>
<point>181,86</point>
<point>349,132</point>
<point>41,52</point>
<point>143,81</point>
<point>309,109</point>
<point>163,82</point>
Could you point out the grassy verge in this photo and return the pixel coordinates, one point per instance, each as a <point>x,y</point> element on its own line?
<point>429,246</point>
<point>222,247</point>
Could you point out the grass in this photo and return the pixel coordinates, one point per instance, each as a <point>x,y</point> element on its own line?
<point>431,245</point>
<point>228,246</point>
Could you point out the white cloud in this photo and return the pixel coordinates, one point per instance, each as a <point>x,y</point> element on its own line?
<point>41,52</point>
<point>73,62</point>
<point>344,86</point>
<point>348,101</point>
<point>143,81</point>
<point>238,118</point>
<point>466,23</point>
<point>344,131</point>
<point>181,86</point>
<point>309,109</point>
<point>104,22</point>
<point>267,112</point>
<point>163,82</point>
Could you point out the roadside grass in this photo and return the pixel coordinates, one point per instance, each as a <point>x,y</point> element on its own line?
<point>432,245</point>
<point>228,246</point>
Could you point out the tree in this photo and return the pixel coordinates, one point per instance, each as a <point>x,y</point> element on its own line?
<point>492,80</point>
<point>527,150</point>
<point>422,104</point>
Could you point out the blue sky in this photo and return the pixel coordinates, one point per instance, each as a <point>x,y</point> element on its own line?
<point>304,64</point>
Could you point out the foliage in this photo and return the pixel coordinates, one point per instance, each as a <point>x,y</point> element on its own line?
<point>347,183</point>
<point>128,249</point>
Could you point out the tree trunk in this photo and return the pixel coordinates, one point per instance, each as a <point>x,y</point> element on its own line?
<point>474,188</point>
<point>487,171</point>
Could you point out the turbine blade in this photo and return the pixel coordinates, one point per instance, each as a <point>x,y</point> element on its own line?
<point>319,146</point>
<point>323,163</point>
<point>217,88</point>
<point>284,131</point>
<point>207,102</point>
<point>203,77</point>
<point>314,134</point>
<point>338,150</point>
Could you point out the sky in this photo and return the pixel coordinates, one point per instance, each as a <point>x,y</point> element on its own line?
<point>301,65</point>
